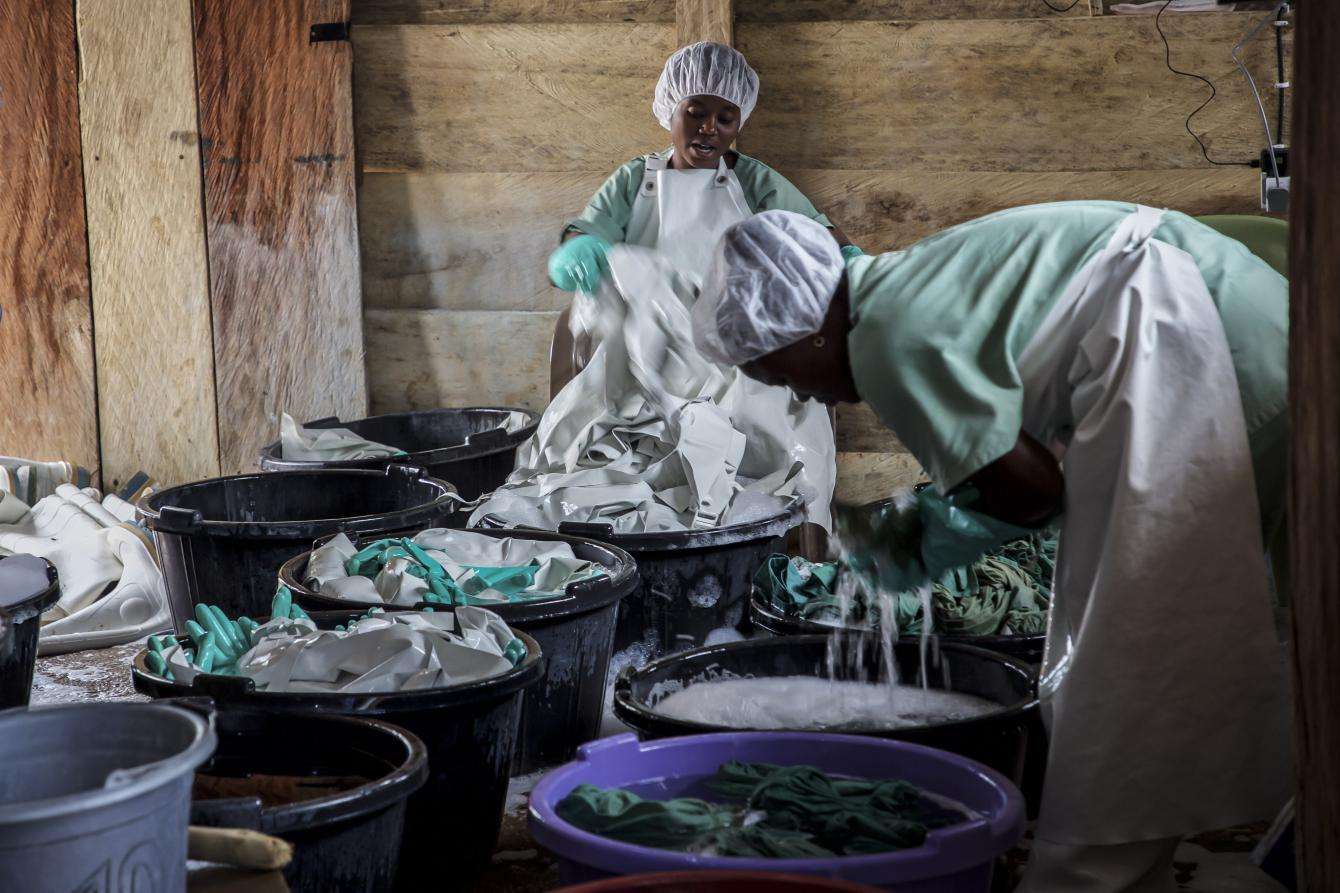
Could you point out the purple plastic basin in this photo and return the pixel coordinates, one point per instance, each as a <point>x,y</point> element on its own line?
<point>958,859</point>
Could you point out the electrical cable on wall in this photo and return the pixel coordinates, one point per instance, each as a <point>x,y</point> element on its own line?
<point>1167,60</point>
<point>1072,5</point>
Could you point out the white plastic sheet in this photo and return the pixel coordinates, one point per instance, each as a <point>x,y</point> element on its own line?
<point>459,552</point>
<point>328,444</point>
<point>651,436</point>
<point>383,652</point>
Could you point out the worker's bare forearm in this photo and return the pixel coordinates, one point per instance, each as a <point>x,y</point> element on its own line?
<point>1023,487</point>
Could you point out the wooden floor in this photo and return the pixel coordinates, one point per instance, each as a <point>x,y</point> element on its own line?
<point>1209,863</point>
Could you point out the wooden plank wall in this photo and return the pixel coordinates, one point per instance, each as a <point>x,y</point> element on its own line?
<point>276,128</point>
<point>146,236</point>
<point>48,409</point>
<point>483,125</point>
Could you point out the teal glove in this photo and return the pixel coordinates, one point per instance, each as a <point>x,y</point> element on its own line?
<point>850,251</point>
<point>579,263</point>
<point>954,535</point>
<point>910,542</point>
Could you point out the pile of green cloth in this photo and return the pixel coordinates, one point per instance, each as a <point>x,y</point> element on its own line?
<point>1006,592</point>
<point>767,811</point>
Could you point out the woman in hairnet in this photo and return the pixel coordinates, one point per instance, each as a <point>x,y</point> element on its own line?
<point>1117,366</point>
<point>681,200</point>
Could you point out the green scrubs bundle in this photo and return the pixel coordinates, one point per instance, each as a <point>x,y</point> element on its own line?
<point>768,811</point>
<point>1004,593</point>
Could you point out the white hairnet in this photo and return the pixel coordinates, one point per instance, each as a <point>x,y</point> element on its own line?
<point>705,69</point>
<point>771,280</point>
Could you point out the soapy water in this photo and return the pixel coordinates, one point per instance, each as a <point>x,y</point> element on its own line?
<point>807,702</point>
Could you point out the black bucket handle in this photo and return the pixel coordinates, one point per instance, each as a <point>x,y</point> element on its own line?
<point>589,529</point>
<point>175,519</point>
<point>223,688</point>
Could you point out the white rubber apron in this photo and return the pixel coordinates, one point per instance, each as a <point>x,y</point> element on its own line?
<point>682,214</point>
<point>1162,680</point>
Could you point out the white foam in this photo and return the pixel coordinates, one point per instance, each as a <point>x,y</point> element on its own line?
<point>806,702</point>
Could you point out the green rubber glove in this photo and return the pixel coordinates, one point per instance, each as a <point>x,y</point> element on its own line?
<point>916,539</point>
<point>954,535</point>
<point>579,263</point>
<point>850,251</point>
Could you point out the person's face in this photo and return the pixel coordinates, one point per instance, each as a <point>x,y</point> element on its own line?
<point>702,129</point>
<point>818,365</point>
<point>805,369</point>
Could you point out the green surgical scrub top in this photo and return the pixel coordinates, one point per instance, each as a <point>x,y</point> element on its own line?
<point>939,328</point>
<point>609,210</point>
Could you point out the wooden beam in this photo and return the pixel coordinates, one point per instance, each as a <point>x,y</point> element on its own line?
<point>276,128</point>
<point>902,10</point>
<point>1066,93</point>
<point>146,239</point>
<point>486,98</point>
<point>1314,399</point>
<point>49,405</point>
<point>432,358</point>
<point>460,12</point>
<point>697,20</point>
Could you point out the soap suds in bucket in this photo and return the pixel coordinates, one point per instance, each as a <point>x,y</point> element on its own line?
<point>805,702</point>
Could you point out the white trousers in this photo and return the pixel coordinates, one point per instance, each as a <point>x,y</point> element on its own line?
<point>1142,867</point>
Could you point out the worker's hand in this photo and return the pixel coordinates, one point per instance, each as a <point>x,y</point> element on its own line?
<point>850,251</point>
<point>579,263</point>
<point>954,535</point>
<point>881,543</point>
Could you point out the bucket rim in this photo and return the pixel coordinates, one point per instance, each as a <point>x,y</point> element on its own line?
<point>643,717</point>
<point>395,785</point>
<point>151,509</point>
<point>988,834</point>
<point>767,616</point>
<point>271,460</point>
<point>149,777</point>
<point>577,598</point>
<point>773,525</point>
<point>41,597</point>
<point>233,691</point>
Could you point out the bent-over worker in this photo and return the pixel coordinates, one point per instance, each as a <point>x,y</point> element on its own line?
<point>1121,367</point>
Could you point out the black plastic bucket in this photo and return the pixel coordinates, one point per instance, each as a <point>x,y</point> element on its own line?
<point>575,632</point>
<point>334,787</point>
<point>469,731</point>
<point>769,619</point>
<point>221,541</point>
<point>999,739</point>
<point>28,586</point>
<point>469,447</point>
<point>691,582</point>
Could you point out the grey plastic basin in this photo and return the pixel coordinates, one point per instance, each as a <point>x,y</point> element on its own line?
<point>98,796</point>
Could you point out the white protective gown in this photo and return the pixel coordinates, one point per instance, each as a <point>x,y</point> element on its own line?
<point>653,381</point>
<point>1162,682</point>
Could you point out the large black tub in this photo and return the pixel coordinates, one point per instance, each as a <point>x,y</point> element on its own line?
<point>576,633</point>
<point>28,586</point>
<point>474,447</point>
<point>469,731</point>
<point>768,619</point>
<point>691,582</point>
<point>999,739</point>
<point>334,787</point>
<point>221,541</point>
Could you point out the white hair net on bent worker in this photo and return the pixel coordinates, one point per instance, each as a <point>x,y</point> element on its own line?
<point>771,280</point>
<point>705,69</point>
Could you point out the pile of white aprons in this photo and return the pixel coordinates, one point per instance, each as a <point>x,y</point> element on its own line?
<point>651,436</point>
